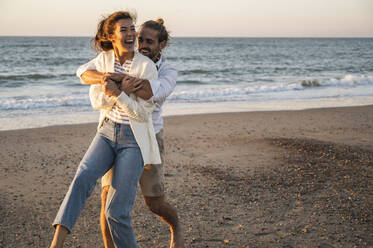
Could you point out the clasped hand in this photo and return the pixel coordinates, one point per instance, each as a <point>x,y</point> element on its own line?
<point>127,84</point>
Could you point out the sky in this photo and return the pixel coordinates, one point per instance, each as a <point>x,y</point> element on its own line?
<point>195,18</point>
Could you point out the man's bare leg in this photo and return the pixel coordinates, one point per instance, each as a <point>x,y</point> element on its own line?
<point>106,236</point>
<point>59,237</point>
<point>166,212</point>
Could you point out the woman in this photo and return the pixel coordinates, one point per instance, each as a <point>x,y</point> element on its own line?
<point>125,136</point>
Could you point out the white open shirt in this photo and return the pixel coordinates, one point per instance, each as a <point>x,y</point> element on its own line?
<point>161,87</point>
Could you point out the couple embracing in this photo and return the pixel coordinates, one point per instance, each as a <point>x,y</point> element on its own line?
<point>129,88</point>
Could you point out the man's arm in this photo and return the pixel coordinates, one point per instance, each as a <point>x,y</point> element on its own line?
<point>95,77</point>
<point>165,84</point>
<point>134,109</point>
<point>145,90</point>
<point>162,87</point>
<point>88,74</point>
<point>92,77</point>
<point>138,107</point>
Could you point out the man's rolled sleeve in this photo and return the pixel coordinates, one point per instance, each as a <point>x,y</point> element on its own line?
<point>90,66</point>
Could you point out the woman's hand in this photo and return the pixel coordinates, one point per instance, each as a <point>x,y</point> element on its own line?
<point>109,87</point>
<point>131,84</point>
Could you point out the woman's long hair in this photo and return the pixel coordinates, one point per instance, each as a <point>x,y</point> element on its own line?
<point>106,27</point>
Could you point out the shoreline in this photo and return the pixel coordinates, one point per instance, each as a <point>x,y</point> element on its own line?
<point>226,111</point>
<point>248,179</point>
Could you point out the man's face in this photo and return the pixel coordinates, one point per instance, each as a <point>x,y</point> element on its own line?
<point>148,44</point>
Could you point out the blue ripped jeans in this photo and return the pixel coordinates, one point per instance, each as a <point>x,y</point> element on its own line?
<point>114,144</point>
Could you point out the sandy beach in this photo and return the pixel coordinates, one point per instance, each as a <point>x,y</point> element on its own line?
<point>254,179</point>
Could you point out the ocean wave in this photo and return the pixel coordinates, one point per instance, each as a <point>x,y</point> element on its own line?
<point>26,76</point>
<point>31,44</point>
<point>346,81</point>
<point>10,80</point>
<point>180,58</point>
<point>191,91</point>
<point>194,71</point>
<point>190,82</point>
<point>208,72</point>
<point>43,102</point>
<point>239,92</point>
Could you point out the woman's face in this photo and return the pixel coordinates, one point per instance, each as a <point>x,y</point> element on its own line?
<point>124,35</point>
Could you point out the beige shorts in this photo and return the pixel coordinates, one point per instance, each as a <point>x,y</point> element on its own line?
<point>152,179</point>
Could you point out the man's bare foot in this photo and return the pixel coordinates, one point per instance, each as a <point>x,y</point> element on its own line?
<point>177,237</point>
<point>59,237</point>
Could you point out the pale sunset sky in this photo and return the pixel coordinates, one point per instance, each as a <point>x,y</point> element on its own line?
<point>196,18</point>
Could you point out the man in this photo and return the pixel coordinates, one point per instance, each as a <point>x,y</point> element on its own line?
<point>152,38</point>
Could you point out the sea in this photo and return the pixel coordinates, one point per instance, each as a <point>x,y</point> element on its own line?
<point>39,87</point>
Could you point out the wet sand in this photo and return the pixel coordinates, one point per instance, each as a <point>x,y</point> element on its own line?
<point>256,179</point>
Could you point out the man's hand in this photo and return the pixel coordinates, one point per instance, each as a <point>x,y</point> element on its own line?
<point>139,87</point>
<point>131,84</point>
<point>117,77</point>
<point>109,87</point>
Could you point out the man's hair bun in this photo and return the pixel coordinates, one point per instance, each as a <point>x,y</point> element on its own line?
<point>160,20</point>
<point>158,25</point>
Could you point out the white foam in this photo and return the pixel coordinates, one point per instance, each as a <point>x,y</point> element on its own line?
<point>349,80</point>
<point>227,93</point>
<point>216,93</point>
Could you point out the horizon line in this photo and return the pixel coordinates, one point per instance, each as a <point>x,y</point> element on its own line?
<point>284,37</point>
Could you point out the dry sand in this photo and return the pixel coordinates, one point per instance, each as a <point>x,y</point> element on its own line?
<point>258,179</point>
